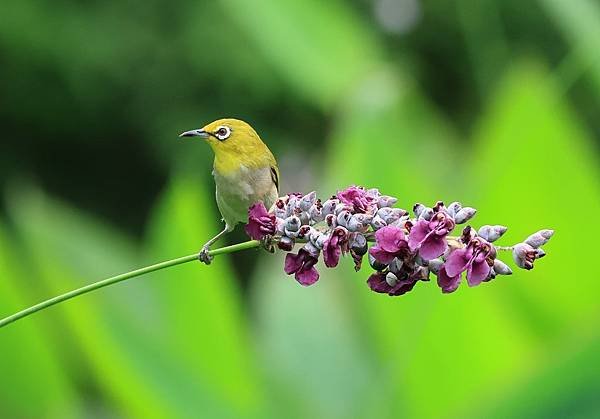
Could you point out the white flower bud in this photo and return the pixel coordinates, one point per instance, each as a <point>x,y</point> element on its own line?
<point>377,223</point>
<point>390,215</point>
<point>501,268</point>
<point>435,265</point>
<point>316,214</point>
<point>418,209</point>
<point>292,225</point>
<point>524,255</point>
<point>386,201</point>
<point>539,253</point>
<point>307,201</point>
<point>396,266</point>
<point>343,218</point>
<point>358,222</point>
<point>426,214</point>
<point>464,215</point>
<point>491,233</point>
<point>359,244</point>
<point>329,206</point>
<point>391,279</point>
<point>539,238</point>
<point>454,208</point>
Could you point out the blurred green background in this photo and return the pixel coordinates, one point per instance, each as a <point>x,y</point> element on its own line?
<point>491,102</point>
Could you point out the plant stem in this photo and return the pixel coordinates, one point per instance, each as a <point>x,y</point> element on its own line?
<point>122,277</point>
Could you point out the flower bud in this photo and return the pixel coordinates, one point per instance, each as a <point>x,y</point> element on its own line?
<point>316,213</point>
<point>391,279</point>
<point>464,215</point>
<point>539,238</point>
<point>304,231</point>
<point>435,265</point>
<point>280,208</point>
<point>426,214</point>
<point>280,226</point>
<point>292,204</point>
<point>439,207</point>
<point>359,222</point>
<point>501,268</point>
<point>292,225</point>
<point>524,255</point>
<point>377,223</point>
<point>540,253</point>
<point>418,209</point>
<point>311,249</point>
<point>390,215</point>
<point>343,218</point>
<point>454,208</point>
<point>286,243</point>
<point>491,233</point>
<point>307,201</point>
<point>329,206</point>
<point>314,237</point>
<point>386,201</point>
<point>358,244</point>
<point>396,266</point>
<point>331,220</point>
<point>373,193</point>
<point>375,264</point>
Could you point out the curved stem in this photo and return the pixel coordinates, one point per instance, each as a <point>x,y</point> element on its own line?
<point>120,278</point>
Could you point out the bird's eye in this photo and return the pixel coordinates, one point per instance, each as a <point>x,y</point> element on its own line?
<point>222,133</point>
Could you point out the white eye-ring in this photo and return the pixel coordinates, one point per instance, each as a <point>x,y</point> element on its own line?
<point>223,132</point>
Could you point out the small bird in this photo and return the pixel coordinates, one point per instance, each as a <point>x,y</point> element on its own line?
<point>244,169</point>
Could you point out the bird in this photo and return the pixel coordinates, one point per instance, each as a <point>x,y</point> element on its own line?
<point>244,169</point>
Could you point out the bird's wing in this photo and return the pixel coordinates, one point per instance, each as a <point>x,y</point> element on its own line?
<point>275,176</point>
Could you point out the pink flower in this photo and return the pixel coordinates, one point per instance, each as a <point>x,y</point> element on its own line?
<point>429,237</point>
<point>302,265</point>
<point>358,198</point>
<point>332,249</point>
<point>476,259</point>
<point>390,242</point>
<point>260,222</point>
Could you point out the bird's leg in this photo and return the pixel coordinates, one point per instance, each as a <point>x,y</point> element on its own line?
<point>203,256</point>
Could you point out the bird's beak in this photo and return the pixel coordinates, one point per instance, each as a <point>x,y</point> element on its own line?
<point>194,133</point>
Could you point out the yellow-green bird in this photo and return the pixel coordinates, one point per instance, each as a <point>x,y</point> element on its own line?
<point>244,169</point>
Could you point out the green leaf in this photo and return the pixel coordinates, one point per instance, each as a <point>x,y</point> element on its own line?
<point>200,305</point>
<point>312,354</point>
<point>580,22</point>
<point>313,60</point>
<point>110,335</point>
<point>34,383</point>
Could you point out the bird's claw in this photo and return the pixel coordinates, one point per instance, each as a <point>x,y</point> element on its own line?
<point>204,256</point>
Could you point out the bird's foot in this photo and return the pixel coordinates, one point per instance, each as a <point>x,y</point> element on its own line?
<point>204,256</point>
<point>267,244</point>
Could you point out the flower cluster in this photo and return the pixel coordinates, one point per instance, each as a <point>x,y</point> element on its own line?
<point>407,248</point>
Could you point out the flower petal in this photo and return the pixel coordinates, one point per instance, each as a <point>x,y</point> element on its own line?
<point>378,283</point>
<point>381,255</point>
<point>417,234</point>
<point>457,262</point>
<point>447,283</point>
<point>477,272</point>
<point>293,263</point>
<point>307,276</point>
<point>391,238</point>
<point>434,246</point>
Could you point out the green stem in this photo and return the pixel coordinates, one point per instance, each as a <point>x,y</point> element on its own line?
<point>122,277</point>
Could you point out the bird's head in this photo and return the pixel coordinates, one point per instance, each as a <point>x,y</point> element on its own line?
<point>227,135</point>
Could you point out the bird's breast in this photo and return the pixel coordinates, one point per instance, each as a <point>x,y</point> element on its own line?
<point>239,189</point>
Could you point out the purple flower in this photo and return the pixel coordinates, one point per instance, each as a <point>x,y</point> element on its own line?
<point>389,284</point>
<point>477,259</point>
<point>302,265</point>
<point>356,197</point>
<point>260,222</point>
<point>332,249</point>
<point>429,237</point>
<point>390,242</point>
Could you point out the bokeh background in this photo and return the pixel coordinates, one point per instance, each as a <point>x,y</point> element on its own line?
<point>491,102</point>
